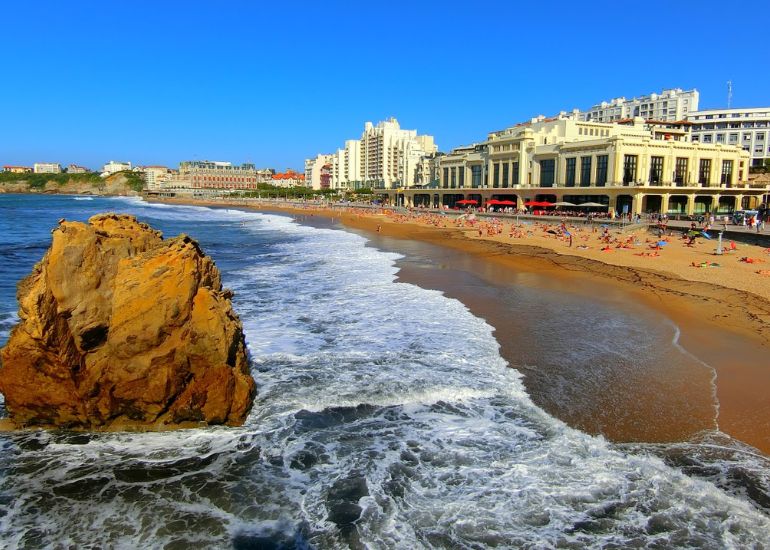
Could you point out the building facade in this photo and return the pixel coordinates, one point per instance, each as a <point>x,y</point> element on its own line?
<point>668,105</point>
<point>75,169</point>
<point>17,169</point>
<point>633,167</point>
<point>47,168</point>
<point>748,129</point>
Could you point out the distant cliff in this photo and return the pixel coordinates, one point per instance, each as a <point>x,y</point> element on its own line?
<point>121,183</point>
<point>123,329</point>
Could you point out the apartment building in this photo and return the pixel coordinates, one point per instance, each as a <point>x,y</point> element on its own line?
<point>748,129</point>
<point>155,176</point>
<point>75,169</point>
<point>385,157</point>
<point>669,105</point>
<point>47,168</point>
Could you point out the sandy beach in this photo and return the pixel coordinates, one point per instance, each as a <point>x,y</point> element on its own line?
<point>720,304</point>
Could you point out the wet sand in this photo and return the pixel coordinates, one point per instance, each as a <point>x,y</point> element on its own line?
<point>725,328</point>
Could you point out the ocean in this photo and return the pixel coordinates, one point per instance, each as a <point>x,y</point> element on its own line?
<point>386,418</point>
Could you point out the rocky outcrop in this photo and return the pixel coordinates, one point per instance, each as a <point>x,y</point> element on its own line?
<point>121,329</point>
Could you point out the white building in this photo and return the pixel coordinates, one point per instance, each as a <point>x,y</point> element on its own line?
<point>75,169</point>
<point>385,157</point>
<point>47,168</point>
<point>748,129</point>
<point>669,105</point>
<point>113,166</point>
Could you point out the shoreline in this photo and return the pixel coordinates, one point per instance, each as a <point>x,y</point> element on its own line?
<point>727,328</point>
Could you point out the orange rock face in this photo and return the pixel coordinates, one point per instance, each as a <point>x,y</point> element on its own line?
<point>121,329</point>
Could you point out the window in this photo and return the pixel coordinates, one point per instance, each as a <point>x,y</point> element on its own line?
<point>727,172</point>
<point>656,170</point>
<point>515,173</point>
<point>446,178</point>
<point>453,183</point>
<point>585,171</point>
<point>570,177</point>
<point>706,138</point>
<point>476,176</point>
<point>496,174</point>
<point>461,176</point>
<point>506,167</point>
<point>601,170</point>
<point>629,169</point>
<point>720,138</point>
<point>680,173</point>
<point>704,172</point>
<point>760,136</point>
<point>732,138</point>
<point>547,172</point>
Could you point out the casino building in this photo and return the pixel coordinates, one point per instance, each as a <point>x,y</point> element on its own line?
<point>631,165</point>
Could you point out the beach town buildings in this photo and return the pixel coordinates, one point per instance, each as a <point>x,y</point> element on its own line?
<point>631,166</point>
<point>156,177</point>
<point>47,168</point>
<point>385,157</point>
<point>669,105</point>
<point>75,169</point>
<point>17,169</point>
<point>290,178</point>
<point>748,129</point>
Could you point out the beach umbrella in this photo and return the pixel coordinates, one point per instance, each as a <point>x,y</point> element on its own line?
<point>531,203</point>
<point>467,201</point>
<point>506,203</point>
<point>564,203</point>
<point>593,204</point>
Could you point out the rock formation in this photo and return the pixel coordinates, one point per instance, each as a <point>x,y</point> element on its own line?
<point>121,329</point>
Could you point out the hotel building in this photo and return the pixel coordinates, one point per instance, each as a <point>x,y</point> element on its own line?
<point>47,168</point>
<point>155,176</point>
<point>634,166</point>
<point>668,105</point>
<point>748,129</point>
<point>207,174</point>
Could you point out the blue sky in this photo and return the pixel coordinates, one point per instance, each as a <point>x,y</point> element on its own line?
<point>274,83</point>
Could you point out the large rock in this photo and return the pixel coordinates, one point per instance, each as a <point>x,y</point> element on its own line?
<point>121,329</point>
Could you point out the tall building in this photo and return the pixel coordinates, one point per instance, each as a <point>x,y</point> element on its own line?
<point>668,105</point>
<point>47,168</point>
<point>389,155</point>
<point>385,157</point>
<point>748,129</point>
